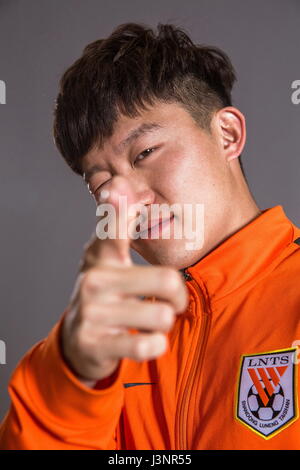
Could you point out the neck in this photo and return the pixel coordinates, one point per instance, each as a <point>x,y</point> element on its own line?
<point>241,213</point>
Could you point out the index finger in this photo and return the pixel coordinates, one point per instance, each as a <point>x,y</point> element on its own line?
<point>110,244</point>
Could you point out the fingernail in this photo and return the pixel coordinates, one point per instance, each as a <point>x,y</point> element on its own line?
<point>104,195</point>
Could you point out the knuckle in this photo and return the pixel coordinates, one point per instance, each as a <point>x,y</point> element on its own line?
<point>163,276</point>
<point>84,339</point>
<point>166,315</point>
<point>94,313</point>
<point>171,280</point>
<point>88,280</point>
<point>94,280</point>
<point>140,349</point>
<point>89,338</point>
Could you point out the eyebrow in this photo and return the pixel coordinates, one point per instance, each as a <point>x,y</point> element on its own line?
<point>144,128</point>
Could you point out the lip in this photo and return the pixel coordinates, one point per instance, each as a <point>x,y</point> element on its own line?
<point>157,225</point>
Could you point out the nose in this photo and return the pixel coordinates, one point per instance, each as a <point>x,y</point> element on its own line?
<point>142,192</point>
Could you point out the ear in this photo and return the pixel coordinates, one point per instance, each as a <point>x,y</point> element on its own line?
<point>231,130</point>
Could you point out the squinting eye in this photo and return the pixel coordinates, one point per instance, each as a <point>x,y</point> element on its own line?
<point>138,157</point>
<point>97,191</point>
<point>147,152</point>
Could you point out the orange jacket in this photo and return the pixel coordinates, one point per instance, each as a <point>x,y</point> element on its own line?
<point>228,379</point>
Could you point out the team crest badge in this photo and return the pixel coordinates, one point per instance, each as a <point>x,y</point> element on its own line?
<point>266,396</point>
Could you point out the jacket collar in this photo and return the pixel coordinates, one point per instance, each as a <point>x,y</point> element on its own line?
<point>246,255</point>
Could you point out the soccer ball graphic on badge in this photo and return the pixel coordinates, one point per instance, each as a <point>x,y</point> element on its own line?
<point>271,409</point>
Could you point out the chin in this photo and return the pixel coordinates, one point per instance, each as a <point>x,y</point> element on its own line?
<point>167,252</point>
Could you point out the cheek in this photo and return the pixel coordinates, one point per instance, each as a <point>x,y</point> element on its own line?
<point>177,172</point>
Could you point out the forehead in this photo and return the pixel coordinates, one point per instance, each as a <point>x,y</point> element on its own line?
<point>162,114</point>
<point>159,117</point>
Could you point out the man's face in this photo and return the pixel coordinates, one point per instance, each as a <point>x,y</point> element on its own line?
<point>185,166</point>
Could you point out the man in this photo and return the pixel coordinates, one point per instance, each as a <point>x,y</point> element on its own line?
<point>198,349</point>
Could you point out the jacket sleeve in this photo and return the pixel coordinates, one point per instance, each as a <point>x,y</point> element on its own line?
<point>51,409</point>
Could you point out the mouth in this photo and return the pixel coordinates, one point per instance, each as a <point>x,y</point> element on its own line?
<point>155,227</point>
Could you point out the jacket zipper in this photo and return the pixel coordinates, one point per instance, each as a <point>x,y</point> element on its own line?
<point>196,363</point>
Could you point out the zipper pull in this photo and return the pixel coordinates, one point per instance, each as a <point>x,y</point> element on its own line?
<point>187,276</point>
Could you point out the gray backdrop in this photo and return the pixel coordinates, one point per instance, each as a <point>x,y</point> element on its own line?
<point>46,211</point>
